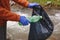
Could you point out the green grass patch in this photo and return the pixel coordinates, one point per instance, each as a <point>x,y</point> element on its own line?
<point>43,2</point>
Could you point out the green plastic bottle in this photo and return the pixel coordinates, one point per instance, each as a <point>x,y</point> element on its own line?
<point>33,19</point>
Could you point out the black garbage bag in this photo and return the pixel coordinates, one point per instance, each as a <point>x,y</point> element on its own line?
<point>42,29</point>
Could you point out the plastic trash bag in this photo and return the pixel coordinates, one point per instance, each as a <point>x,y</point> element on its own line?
<point>42,29</point>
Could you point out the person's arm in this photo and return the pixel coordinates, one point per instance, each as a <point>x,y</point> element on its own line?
<point>22,2</point>
<point>7,15</point>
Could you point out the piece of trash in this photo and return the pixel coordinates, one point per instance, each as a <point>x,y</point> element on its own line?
<point>33,19</point>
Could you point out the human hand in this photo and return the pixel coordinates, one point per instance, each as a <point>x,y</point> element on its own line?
<point>23,20</point>
<point>31,5</point>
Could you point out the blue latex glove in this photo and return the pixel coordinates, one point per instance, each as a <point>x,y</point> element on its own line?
<point>23,20</point>
<point>32,4</point>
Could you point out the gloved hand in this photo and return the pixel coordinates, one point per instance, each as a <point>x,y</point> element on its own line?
<point>23,20</point>
<point>31,5</point>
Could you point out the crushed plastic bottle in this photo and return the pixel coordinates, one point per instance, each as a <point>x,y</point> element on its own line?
<point>33,19</point>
